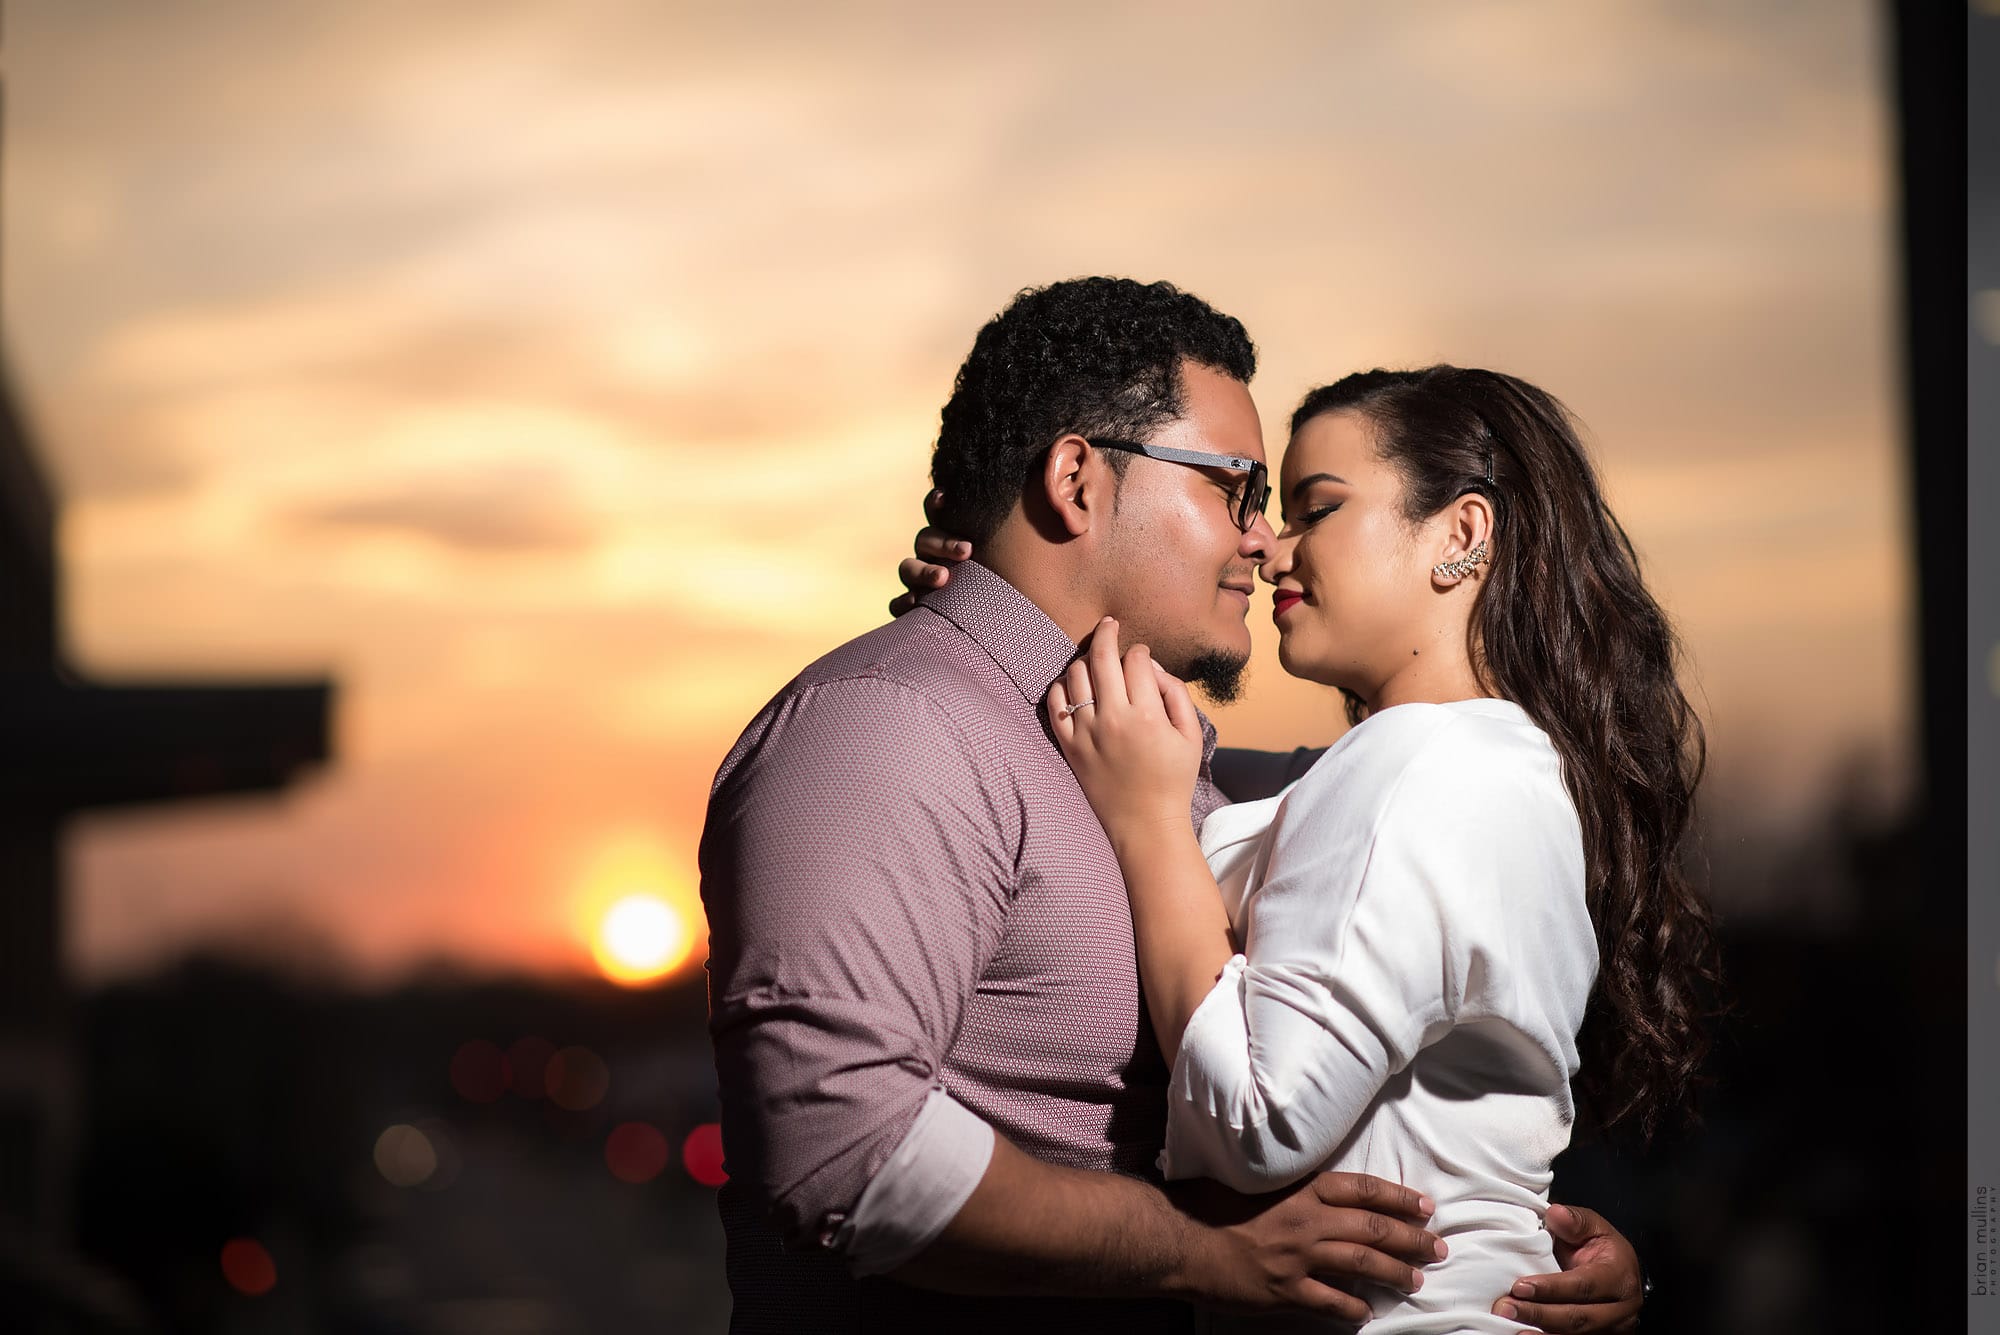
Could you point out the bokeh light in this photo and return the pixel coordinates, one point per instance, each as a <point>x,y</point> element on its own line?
<point>701,1155</point>
<point>248,1267</point>
<point>405,1156</point>
<point>578,1079</point>
<point>479,1071</point>
<point>636,1152</point>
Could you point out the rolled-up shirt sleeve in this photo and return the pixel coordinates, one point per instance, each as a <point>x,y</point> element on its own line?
<point>857,865</point>
<point>931,1174</point>
<point>1367,941</point>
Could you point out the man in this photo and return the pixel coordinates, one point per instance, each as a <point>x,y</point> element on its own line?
<point>941,1100</point>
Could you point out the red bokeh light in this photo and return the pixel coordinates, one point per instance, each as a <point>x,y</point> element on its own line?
<point>636,1152</point>
<point>248,1267</point>
<point>479,1071</point>
<point>701,1154</point>
<point>528,1067</point>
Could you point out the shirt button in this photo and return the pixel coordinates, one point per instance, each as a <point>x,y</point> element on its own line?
<point>829,1227</point>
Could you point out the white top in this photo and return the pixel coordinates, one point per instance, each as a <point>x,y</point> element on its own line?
<point>1417,958</point>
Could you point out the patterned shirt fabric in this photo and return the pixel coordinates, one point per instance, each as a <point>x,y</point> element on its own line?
<point>907,892</point>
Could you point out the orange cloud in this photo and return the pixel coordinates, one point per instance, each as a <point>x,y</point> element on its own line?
<point>562,377</point>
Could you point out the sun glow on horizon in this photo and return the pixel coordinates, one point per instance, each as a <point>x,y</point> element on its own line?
<point>642,939</point>
<point>641,924</point>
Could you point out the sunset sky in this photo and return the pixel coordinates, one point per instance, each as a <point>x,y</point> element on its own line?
<point>560,378</point>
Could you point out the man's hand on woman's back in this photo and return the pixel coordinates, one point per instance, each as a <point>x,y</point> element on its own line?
<point>1306,1246</point>
<point>1032,1227</point>
<point>1599,1288</point>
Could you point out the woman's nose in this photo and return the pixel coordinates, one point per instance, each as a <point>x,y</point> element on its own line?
<point>1274,567</point>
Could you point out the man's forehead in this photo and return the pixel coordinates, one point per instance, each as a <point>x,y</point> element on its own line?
<point>1219,415</point>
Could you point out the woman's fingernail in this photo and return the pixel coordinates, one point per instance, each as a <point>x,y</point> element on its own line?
<point>1503,1308</point>
<point>1439,1250</point>
<point>1416,1280</point>
<point>1427,1205</point>
<point>961,549</point>
<point>1523,1289</point>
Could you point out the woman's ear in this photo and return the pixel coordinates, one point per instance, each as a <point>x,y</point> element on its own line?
<point>1467,533</point>
<point>1074,478</point>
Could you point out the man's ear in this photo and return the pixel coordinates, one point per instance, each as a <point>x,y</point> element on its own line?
<point>1075,483</point>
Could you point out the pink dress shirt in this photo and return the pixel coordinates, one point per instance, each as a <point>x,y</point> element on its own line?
<point>918,930</point>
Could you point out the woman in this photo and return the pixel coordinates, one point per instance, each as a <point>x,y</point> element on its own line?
<point>1475,896</point>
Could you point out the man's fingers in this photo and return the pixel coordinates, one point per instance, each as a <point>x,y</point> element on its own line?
<point>1573,1223</point>
<point>1587,1298</point>
<point>1360,1191</point>
<point>1107,677</point>
<point>934,506</point>
<point>1565,1319</point>
<point>1385,1234</point>
<point>1585,1284</point>
<point>1353,1260</point>
<point>1570,1286</point>
<point>901,603</point>
<point>1318,1297</point>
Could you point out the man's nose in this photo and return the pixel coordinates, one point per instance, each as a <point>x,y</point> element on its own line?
<point>1258,540</point>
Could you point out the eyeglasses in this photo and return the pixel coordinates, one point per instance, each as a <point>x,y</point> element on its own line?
<point>1248,504</point>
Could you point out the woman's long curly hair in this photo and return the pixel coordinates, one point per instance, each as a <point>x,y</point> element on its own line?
<point>1564,627</point>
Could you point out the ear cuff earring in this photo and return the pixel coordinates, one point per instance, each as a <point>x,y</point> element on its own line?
<point>1463,566</point>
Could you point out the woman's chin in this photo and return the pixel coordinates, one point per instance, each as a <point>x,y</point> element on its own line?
<point>1300,663</point>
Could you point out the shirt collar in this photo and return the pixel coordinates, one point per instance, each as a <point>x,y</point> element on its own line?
<point>1031,649</point>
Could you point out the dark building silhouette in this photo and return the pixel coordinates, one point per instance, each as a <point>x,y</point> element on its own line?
<point>69,745</point>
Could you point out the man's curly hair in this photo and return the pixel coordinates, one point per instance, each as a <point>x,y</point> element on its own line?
<point>1094,356</point>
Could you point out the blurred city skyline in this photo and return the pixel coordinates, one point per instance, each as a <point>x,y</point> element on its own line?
<point>562,381</point>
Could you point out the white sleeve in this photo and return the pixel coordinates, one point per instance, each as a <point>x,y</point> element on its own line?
<point>1370,937</point>
<point>920,1188</point>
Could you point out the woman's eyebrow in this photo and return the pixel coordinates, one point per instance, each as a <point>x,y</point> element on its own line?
<point>1299,487</point>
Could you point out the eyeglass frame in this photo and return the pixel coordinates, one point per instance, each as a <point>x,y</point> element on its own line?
<point>1258,485</point>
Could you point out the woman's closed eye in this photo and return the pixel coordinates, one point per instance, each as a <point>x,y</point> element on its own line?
<point>1307,518</point>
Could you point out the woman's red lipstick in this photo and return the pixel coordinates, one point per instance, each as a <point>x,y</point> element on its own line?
<point>1282,602</point>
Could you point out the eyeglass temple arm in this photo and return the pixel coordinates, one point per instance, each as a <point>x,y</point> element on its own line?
<point>1178,456</point>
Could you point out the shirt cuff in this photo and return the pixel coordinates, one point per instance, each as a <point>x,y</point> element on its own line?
<point>922,1187</point>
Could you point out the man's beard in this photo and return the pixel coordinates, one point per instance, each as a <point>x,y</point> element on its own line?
<point>1218,673</point>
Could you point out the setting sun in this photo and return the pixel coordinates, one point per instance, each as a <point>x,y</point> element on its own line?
<point>636,913</point>
<point>641,938</point>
